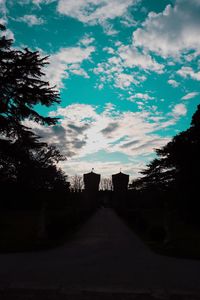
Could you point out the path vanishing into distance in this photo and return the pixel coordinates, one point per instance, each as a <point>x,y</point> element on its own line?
<point>105,256</point>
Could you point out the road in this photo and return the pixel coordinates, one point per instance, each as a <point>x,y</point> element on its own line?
<point>105,255</point>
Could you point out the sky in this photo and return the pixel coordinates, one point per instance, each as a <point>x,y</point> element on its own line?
<point>128,72</point>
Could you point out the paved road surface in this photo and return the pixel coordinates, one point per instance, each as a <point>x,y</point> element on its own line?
<point>105,255</point>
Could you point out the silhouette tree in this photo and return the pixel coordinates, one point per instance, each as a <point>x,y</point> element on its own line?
<point>25,161</point>
<point>77,183</point>
<point>22,88</point>
<point>106,184</point>
<point>176,170</point>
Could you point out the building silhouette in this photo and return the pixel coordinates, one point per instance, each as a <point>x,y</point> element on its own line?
<point>120,182</point>
<point>91,181</point>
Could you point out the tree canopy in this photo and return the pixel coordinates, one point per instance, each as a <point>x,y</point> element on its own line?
<point>22,88</point>
<point>177,166</point>
<point>25,161</point>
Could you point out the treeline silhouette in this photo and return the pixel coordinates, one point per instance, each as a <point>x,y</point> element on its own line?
<point>27,165</point>
<point>172,179</point>
<point>163,205</point>
<point>35,200</point>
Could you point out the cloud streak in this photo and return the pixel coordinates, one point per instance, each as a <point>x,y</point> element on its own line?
<point>94,11</point>
<point>31,20</point>
<point>83,132</point>
<point>190,95</point>
<point>188,72</point>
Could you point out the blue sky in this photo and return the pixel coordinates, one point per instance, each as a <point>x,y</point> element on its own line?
<point>128,74</point>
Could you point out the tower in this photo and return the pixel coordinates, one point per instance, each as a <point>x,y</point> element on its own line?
<point>120,182</point>
<point>91,181</point>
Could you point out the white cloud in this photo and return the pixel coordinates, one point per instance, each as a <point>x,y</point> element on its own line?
<point>173,31</point>
<point>133,58</point>
<point>128,21</point>
<point>94,11</point>
<point>83,132</point>
<point>80,72</point>
<point>123,80</point>
<point>86,40</point>
<point>66,61</point>
<point>122,67</point>
<point>76,112</point>
<point>109,28</point>
<point>142,96</point>
<point>109,50</point>
<point>173,82</point>
<point>190,96</point>
<point>87,132</point>
<point>106,169</point>
<point>36,2</point>
<point>31,20</point>
<point>179,110</point>
<point>188,72</point>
